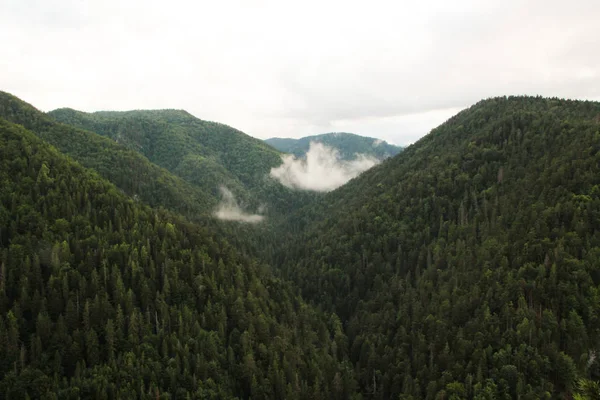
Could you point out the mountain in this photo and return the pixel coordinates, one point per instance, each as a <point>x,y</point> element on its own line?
<point>206,154</point>
<point>179,142</point>
<point>128,170</point>
<point>102,296</point>
<point>133,173</point>
<point>467,265</point>
<point>347,144</point>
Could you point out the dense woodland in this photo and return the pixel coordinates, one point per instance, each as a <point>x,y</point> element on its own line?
<point>465,267</point>
<point>348,145</point>
<point>203,153</point>
<point>468,266</point>
<point>130,171</point>
<point>193,195</point>
<point>103,297</point>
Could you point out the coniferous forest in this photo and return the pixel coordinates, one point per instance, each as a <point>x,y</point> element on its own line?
<point>465,267</point>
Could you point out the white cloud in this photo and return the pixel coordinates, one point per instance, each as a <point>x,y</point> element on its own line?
<point>229,209</point>
<point>321,171</point>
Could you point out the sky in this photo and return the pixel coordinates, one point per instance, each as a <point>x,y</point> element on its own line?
<point>387,69</point>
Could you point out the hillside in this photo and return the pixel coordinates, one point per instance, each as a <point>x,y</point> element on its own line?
<point>205,154</point>
<point>347,144</point>
<point>179,142</point>
<point>466,266</point>
<point>104,297</point>
<point>153,185</point>
<point>128,170</point>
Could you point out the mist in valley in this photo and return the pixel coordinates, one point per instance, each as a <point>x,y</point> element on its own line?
<point>322,170</point>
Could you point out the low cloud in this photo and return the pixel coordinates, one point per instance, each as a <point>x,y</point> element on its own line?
<point>229,210</point>
<point>322,170</point>
<point>377,142</point>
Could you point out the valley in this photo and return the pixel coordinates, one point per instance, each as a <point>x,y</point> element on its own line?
<point>462,266</point>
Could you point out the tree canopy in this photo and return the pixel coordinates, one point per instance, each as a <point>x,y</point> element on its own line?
<point>465,267</point>
<point>102,296</point>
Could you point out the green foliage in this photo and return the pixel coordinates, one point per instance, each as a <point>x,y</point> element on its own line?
<point>587,390</point>
<point>205,154</point>
<point>128,170</point>
<point>347,144</point>
<point>199,155</point>
<point>102,296</point>
<point>467,265</point>
<point>464,267</point>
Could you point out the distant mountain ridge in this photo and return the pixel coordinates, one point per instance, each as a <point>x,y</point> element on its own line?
<point>203,153</point>
<point>180,142</point>
<point>347,144</point>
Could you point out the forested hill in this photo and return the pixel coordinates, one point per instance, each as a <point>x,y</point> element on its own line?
<point>347,144</point>
<point>104,297</point>
<point>205,154</point>
<point>468,265</point>
<point>127,169</point>
<point>176,140</point>
<point>193,194</point>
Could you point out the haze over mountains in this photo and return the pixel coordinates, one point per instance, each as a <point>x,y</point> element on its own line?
<point>465,266</point>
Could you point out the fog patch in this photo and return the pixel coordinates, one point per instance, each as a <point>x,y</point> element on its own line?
<point>229,210</point>
<point>323,170</point>
<point>378,142</point>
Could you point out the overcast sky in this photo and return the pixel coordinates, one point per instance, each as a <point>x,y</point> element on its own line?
<point>387,69</point>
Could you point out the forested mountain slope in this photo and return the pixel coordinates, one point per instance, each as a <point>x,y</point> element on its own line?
<point>127,169</point>
<point>206,154</point>
<point>465,267</point>
<point>143,180</point>
<point>104,297</point>
<point>469,264</point>
<point>347,144</point>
